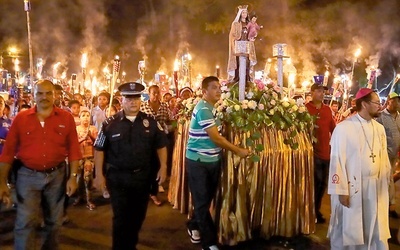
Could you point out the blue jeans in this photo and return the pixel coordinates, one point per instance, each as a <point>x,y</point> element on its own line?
<point>39,191</point>
<point>203,178</point>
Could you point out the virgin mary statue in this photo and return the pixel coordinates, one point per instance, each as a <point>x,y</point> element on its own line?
<point>239,32</point>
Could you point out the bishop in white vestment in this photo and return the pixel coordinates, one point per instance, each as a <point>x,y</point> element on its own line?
<point>358,182</point>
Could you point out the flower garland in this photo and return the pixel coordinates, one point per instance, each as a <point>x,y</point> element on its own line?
<point>262,107</point>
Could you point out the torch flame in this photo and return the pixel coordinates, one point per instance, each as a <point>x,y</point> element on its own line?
<point>176,65</point>
<point>84,60</point>
<point>305,84</point>
<point>56,65</point>
<point>16,64</point>
<point>357,53</point>
<point>291,79</point>
<point>13,50</point>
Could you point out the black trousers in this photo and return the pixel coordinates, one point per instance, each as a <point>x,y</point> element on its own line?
<point>321,171</point>
<point>203,178</point>
<point>129,194</point>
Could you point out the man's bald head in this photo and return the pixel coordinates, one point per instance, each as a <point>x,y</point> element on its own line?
<point>43,83</point>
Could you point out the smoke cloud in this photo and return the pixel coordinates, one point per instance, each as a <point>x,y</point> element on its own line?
<point>320,34</point>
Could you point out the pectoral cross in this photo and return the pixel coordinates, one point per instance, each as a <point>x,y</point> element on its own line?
<point>373,157</point>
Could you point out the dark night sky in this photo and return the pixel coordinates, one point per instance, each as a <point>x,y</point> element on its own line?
<point>320,34</point>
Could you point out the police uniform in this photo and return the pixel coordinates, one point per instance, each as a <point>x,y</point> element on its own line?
<point>128,149</point>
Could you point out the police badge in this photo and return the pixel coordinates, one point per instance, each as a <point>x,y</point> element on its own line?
<point>146,123</point>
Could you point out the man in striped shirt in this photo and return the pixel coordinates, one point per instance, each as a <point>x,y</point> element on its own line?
<point>203,163</point>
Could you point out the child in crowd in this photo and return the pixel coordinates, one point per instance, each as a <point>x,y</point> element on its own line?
<point>86,135</point>
<point>75,107</point>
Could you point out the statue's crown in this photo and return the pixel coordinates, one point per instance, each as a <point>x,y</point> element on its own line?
<point>242,7</point>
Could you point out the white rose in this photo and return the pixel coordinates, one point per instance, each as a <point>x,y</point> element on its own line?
<point>300,102</point>
<point>237,107</point>
<point>261,106</point>
<point>252,104</point>
<point>273,102</point>
<point>285,104</point>
<point>249,95</point>
<point>229,110</point>
<point>271,112</point>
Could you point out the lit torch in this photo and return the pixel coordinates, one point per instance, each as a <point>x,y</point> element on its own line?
<point>176,69</point>
<point>84,62</point>
<point>55,69</point>
<point>116,68</point>
<point>142,70</point>
<point>39,68</point>
<point>292,85</point>
<point>326,78</point>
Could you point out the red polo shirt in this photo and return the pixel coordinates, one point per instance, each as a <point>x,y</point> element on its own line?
<point>325,124</point>
<point>40,147</point>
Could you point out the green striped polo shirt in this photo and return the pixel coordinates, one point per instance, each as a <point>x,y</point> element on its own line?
<point>199,146</point>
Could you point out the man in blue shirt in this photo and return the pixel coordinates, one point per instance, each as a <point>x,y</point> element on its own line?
<point>203,163</point>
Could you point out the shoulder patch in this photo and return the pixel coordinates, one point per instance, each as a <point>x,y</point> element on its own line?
<point>159,126</point>
<point>109,119</point>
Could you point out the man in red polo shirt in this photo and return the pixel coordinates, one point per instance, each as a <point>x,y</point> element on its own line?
<point>323,129</point>
<point>41,138</point>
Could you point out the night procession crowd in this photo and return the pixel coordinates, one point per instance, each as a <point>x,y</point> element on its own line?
<point>59,147</point>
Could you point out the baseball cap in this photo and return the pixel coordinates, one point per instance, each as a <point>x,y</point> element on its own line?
<point>393,95</point>
<point>318,86</point>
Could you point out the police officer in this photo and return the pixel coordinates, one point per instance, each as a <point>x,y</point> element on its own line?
<point>125,144</point>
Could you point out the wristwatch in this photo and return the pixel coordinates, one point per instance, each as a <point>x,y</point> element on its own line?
<point>74,174</point>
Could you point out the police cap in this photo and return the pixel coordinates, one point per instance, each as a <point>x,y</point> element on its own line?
<point>131,89</point>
